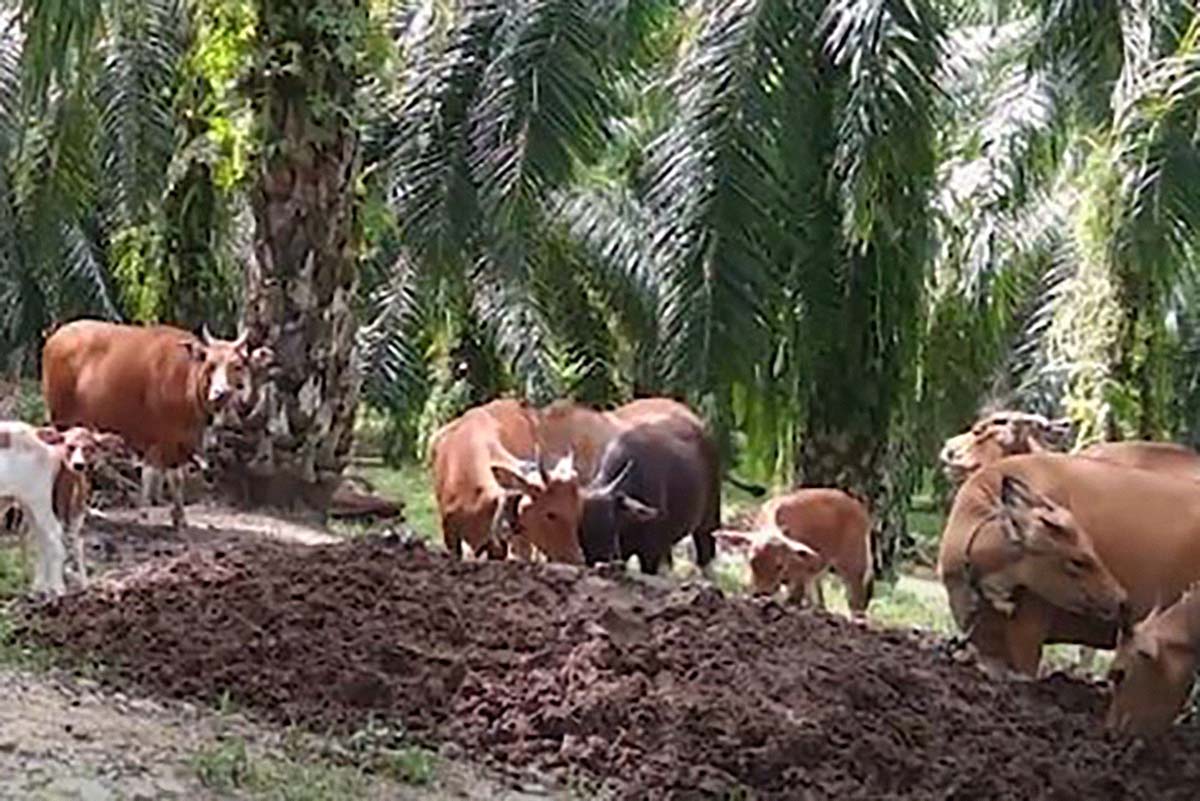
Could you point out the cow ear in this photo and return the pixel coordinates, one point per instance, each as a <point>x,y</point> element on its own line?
<point>262,357</point>
<point>1015,494</point>
<point>1056,528</point>
<point>49,435</point>
<point>1147,648</point>
<point>193,349</point>
<point>733,539</point>
<point>513,481</point>
<point>635,509</point>
<point>110,442</point>
<point>798,548</point>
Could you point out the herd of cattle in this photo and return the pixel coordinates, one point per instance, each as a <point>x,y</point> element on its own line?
<point>1099,548</point>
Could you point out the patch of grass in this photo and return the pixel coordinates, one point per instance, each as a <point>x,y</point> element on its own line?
<point>230,766</point>
<point>14,651</point>
<point>410,765</point>
<point>30,407</point>
<point>912,602</point>
<point>413,483</point>
<point>385,749</point>
<point>13,572</point>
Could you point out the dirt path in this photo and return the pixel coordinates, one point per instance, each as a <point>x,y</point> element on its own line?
<point>63,739</point>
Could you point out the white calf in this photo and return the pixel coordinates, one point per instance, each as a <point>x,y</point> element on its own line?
<point>44,471</point>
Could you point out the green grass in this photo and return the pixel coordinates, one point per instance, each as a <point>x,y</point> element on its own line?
<point>410,765</point>
<point>231,766</point>
<point>412,484</point>
<point>14,651</point>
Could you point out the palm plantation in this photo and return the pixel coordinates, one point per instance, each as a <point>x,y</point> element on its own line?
<point>837,228</point>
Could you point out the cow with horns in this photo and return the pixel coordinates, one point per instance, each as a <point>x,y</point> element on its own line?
<point>156,386</point>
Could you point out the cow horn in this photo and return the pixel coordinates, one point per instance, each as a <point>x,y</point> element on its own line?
<point>612,485</point>
<point>565,469</point>
<point>242,339</point>
<point>537,458</point>
<point>205,336</point>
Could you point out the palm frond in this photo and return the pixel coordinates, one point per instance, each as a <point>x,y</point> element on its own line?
<point>540,112</point>
<point>422,148</point>
<point>1159,164</point>
<point>888,52</point>
<point>609,227</point>
<point>59,33</point>
<point>391,364</point>
<point>142,51</point>
<point>715,188</point>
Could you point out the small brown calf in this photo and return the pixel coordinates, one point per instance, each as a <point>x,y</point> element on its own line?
<point>833,530</point>
<point>1154,668</point>
<point>44,472</point>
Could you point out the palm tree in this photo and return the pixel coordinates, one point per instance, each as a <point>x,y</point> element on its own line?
<point>289,452</point>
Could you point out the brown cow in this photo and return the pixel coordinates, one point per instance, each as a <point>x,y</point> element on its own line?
<point>1144,526</point>
<point>157,386</point>
<point>1010,433</point>
<point>576,436</point>
<point>830,524</point>
<point>471,503</point>
<point>1154,668</point>
<point>777,560</point>
<point>1000,434</point>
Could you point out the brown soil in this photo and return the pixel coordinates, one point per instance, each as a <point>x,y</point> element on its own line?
<point>659,693</point>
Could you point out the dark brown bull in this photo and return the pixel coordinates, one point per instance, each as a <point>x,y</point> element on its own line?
<point>658,482</point>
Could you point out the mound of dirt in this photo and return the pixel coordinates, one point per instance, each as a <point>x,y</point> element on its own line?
<point>660,693</point>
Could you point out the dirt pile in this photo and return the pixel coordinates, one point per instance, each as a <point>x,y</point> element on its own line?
<point>680,693</point>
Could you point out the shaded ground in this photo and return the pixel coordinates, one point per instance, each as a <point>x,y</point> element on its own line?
<point>653,691</point>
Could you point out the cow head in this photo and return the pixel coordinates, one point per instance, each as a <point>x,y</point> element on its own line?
<point>83,447</point>
<point>224,368</point>
<point>606,511</point>
<point>1031,542</point>
<point>1154,667</point>
<point>548,507</point>
<point>775,559</point>
<point>998,435</point>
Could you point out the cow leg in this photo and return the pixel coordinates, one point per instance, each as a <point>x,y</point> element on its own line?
<point>1026,633</point>
<point>521,548</point>
<point>48,575</point>
<point>175,486</point>
<point>452,536</point>
<point>858,591</point>
<point>76,536</point>
<point>649,562</point>
<point>152,478</point>
<point>1087,659</point>
<point>988,633</point>
<point>800,593</point>
<point>706,551</point>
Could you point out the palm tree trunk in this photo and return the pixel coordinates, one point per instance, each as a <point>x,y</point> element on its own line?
<point>289,449</point>
<point>857,400</point>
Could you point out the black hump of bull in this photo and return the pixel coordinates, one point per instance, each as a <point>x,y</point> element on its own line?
<point>669,466</point>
